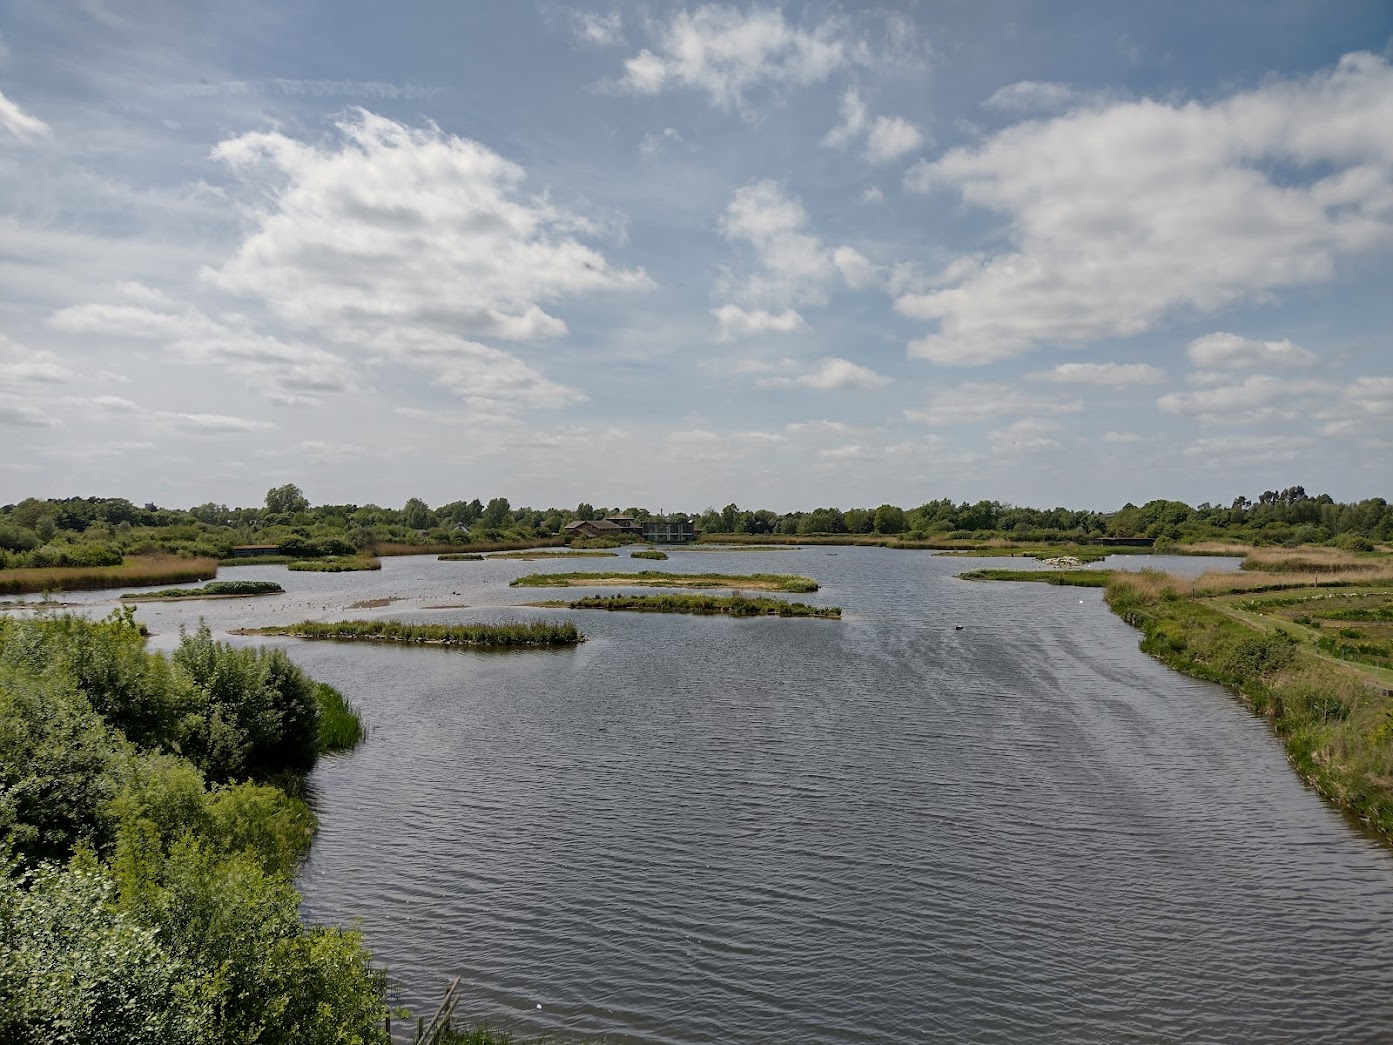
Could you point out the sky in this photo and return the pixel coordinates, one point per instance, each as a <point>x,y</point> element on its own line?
<point>675,255</point>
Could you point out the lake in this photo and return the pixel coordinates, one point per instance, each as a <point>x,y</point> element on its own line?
<point>966,811</point>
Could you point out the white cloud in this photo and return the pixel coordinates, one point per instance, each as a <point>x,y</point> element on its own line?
<point>833,374</point>
<point>24,366</point>
<point>841,454</point>
<point>726,53</point>
<point>20,123</point>
<point>737,322</point>
<point>1032,96</point>
<point>1258,397</point>
<point>1372,396</point>
<point>817,426</point>
<point>1230,351</point>
<point>1229,450</point>
<point>1124,213</point>
<point>701,444</point>
<point>796,265</point>
<point>212,424</point>
<point>887,137</point>
<point>1121,438</point>
<point>980,401</point>
<point>854,117</point>
<point>872,195</point>
<point>1111,375</point>
<point>1027,434</point>
<point>598,30</point>
<point>891,137</point>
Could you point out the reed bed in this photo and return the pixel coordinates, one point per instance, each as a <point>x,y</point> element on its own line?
<point>1314,560</point>
<point>660,579</point>
<point>340,728</point>
<point>211,590</point>
<point>534,633</point>
<point>737,605</point>
<point>134,573</point>
<point>657,555</point>
<point>344,565</point>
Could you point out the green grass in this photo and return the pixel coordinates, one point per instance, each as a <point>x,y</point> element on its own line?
<point>554,555</point>
<point>212,589</point>
<point>662,579</point>
<point>730,605</point>
<point>340,728</point>
<point>535,633</point>
<point>134,573</point>
<point>259,560</point>
<point>460,557</point>
<point>648,555</point>
<point>338,565</point>
<point>1076,578</point>
<point>1082,552</point>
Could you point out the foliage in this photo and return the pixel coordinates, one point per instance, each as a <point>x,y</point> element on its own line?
<point>461,557</point>
<point>651,554</point>
<point>211,589</point>
<point>340,728</point>
<point>737,605</point>
<point>534,633</point>
<point>662,579</point>
<point>348,565</point>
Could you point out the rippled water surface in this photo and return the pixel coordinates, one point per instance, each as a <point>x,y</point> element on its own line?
<point>697,830</point>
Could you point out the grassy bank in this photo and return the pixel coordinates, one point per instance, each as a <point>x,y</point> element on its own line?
<point>133,573</point>
<point>345,565</point>
<point>211,590</point>
<point>385,548</point>
<point>729,605</point>
<point>1077,578</point>
<point>535,633</point>
<point>554,555</point>
<point>661,579</point>
<point>1327,695</point>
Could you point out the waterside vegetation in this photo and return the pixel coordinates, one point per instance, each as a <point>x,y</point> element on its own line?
<point>532,633</point>
<point>735,605</point>
<point>138,572</point>
<point>211,590</point>
<point>1315,662</point>
<point>651,553</point>
<point>535,555</point>
<point>662,579</point>
<point>347,564</point>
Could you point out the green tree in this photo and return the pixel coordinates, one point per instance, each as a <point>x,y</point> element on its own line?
<point>417,514</point>
<point>287,500</point>
<point>889,519</point>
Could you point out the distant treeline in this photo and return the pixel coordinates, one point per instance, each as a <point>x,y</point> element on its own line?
<point>96,531</point>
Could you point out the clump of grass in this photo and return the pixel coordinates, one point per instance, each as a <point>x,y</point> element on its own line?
<point>460,557</point>
<point>662,579</point>
<point>1076,578</point>
<point>340,728</point>
<point>737,605</point>
<point>345,564</point>
<point>534,633</point>
<point>652,554</point>
<point>212,589</point>
<point>134,573</point>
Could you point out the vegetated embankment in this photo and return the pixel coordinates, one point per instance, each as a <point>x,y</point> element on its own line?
<point>211,590</point>
<point>737,605</point>
<point>662,579</point>
<point>532,633</point>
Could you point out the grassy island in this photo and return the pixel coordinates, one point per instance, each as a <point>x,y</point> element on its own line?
<point>652,554</point>
<point>1309,650</point>
<point>736,605</point>
<point>661,579</point>
<point>347,564</point>
<point>554,555</point>
<point>535,633</point>
<point>460,557</point>
<point>211,590</point>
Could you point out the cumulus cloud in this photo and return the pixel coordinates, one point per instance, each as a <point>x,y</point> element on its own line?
<point>796,266</point>
<point>16,413</point>
<point>702,444</point>
<point>1229,450</point>
<point>736,322</point>
<point>653,144</point>
<point>1110,375</point>
<point>833,374</point>
<point>1027,434</point>
<point>414,245</point>
<point>887,137</point>
<point>726,53</point>
<point>25,366</point>
<point>975,401</point>
<point>1231,352</point>
<point>20,123</point>
<point>1126,212</point>
<point>212,424</point>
